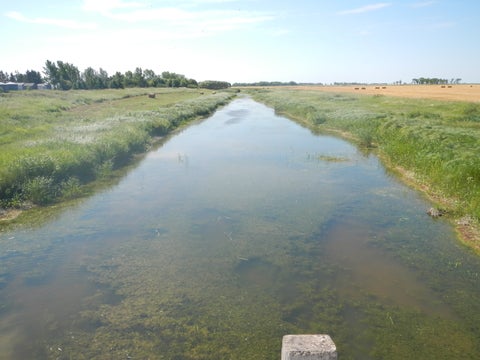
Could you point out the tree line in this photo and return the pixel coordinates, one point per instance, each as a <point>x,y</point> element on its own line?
<point>31,76</point>
<point>435,81</point>
<point>65,76</point>
<point>267,83</point>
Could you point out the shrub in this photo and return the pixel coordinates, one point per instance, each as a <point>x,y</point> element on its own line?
<point>70,188</point>
<point>39,190</point>
<point>365,138</point>
<point>316,118</point>
<point>103,171</point>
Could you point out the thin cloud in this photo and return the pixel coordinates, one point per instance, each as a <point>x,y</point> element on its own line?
<point>180,17</point>
<point>106,6</point>
<point>422,4</point>
<point>281,32</point>
<point>164,14</point>
<point>212,1</point>
<point>63,23</point>
<point>186,22</point>
<point>443,25</point>
<point>364,9</point>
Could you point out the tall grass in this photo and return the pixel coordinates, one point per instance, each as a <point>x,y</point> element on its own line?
<point>437,141</point>
<point>52,142</point>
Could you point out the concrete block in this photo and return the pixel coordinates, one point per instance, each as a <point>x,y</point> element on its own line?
<point>308,347</point>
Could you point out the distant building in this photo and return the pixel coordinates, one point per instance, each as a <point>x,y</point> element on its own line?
<point>12,86</point>
<point>44,86</point>
<point>9,86</point>
<point>29,86</point>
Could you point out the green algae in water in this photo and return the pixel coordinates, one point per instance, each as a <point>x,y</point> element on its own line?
<point>218,258</point>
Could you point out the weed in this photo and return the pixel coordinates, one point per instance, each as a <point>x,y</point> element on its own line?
<point>471,112</point>
<point>316,118</point>
<point>39,190</point>
<point>70,188</point>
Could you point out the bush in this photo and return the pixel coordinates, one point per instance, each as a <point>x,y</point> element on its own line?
<point>70,188</point>
<point>39,190</point>
<point>316,118</point>
<point>214,85</point>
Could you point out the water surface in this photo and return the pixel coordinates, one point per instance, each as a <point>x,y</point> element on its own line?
<point>238,230</point>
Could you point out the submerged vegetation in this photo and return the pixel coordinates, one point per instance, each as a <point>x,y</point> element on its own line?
<point>436,144</point>
<point>52,142</point>
<point>233,257</point>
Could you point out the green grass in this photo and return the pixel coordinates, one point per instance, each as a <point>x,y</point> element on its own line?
<point>52,142</point>
<point>438,141</point>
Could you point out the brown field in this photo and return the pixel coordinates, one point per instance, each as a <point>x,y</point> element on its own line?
<point>470,93</point>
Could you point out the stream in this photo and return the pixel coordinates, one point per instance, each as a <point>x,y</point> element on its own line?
<point>240,229</point>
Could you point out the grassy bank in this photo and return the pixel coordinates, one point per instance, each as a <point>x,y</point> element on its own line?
<point>434,145</point>
<point>53,142</point>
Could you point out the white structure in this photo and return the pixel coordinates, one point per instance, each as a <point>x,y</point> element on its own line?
<point>308,347</point>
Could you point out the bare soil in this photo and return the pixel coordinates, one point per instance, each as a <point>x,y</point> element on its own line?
<point>470,93</point>
<point>9,214</point>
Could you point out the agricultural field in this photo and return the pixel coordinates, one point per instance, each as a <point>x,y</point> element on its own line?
<point>433,144</point>
<point>53,142</point>
<point>469,93</point>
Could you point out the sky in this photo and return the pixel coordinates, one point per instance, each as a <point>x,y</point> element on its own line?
<point>316,41</point>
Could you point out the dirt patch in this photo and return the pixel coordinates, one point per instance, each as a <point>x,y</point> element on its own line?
<point>470,93</point>
<point>9,214</point>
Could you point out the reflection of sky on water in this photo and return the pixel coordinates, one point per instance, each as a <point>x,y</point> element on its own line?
<point>243,205</point>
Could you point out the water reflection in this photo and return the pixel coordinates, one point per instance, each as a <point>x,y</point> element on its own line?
<point>241,229</point>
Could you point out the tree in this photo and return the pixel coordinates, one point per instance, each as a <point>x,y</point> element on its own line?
<point>51,73</point>
<point>138,78</point>
<point>63,75</point>
<point>117,81</point>
<point>3,76</point>
<point>95,79</point>
<point>191,83</point>
<point>19,77</point>
<point>173,80</point>
<point>33,76</point>
<point>214,85</point>
<point>103,79</point>
<point>90,77</point>
<point>150,77</point>
<point>128,79</point>
<point>69,76</point>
